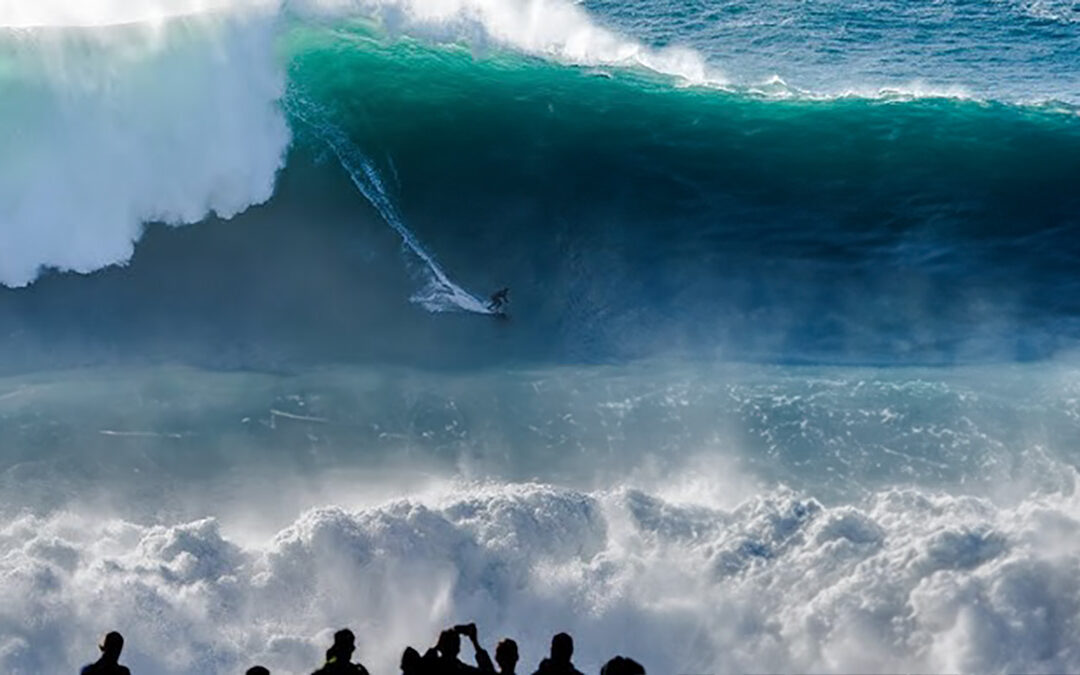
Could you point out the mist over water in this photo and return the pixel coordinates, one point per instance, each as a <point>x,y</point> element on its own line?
<point>788,381</point>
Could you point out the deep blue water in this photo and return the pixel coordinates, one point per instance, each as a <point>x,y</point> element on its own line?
<point>786,382</point>
<point>632,214</point>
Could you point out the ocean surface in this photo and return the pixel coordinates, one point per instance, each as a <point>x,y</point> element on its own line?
<point>788,381</point>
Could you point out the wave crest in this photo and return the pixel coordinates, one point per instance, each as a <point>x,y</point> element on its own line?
<point>130,124</point>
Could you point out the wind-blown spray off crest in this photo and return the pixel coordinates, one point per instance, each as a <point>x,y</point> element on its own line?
<point>555,29</point>
<point>122,125</point>
<point>169,111</point>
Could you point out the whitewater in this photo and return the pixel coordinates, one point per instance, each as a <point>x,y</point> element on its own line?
<point>788,383</point>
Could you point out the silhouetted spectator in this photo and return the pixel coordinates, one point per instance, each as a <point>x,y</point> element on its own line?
<point>257,670</point>
<point>506,655</point>
<point>443,659</point>
<point>620,665</point>
<point>339,656</point>
<point>411,662</point>
<point>558,663</point>
<point>109,663</point>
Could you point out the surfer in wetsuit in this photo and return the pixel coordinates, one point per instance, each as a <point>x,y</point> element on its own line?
<point>499,299</point>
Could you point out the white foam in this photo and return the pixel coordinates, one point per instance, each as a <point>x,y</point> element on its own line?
<point>557,29</point>
<point>113,127</point>
<point>121,113</point>
<point>909,581</point>
<point>88,13</point>
<point>1057,11</point>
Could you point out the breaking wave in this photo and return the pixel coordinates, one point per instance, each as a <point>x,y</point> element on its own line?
<point>907,581</point>
<point>654,219</point>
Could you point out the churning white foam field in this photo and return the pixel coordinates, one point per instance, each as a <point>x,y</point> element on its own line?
<point>906,581</point>
<point>693,559</point>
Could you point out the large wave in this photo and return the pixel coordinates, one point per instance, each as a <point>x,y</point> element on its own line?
<point>697,517</point>
<point>120,114</point>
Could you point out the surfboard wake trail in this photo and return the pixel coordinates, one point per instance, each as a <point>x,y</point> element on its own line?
<point>439,292</point>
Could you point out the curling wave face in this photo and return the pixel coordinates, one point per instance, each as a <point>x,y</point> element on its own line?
<point>655,210</point>
<point>631,216</point>
<point>168,111</point>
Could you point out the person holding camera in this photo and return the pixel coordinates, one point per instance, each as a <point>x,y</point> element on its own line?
<point>443,658</point>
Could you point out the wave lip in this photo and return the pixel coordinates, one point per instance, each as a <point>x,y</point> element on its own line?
<point>168,111</point>
<point>556,29</point>
<point>100,13</point>
<point>131,124</point>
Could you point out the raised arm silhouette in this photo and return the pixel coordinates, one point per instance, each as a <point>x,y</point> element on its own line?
<point>443,658</point>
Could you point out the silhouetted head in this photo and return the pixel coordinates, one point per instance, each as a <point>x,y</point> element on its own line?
<point>111,645</point>
<point>449,643</point>
<point>620,665</point>
<point>562,648</point>
<point>410,661</point>
<point>257,670</point>
<point>506,655</point>
<point>343,647</point>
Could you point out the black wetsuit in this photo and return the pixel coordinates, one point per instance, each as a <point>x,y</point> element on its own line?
<point>498,299</point>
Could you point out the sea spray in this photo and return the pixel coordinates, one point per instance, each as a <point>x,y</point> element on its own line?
<point>110,127</point>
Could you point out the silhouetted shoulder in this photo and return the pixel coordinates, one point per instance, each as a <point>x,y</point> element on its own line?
<point>549,667</point>
<point>341,669</point>
<point>620,665</point>
<point>101,669</point>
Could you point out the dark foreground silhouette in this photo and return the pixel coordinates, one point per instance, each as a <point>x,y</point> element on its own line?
<point>620,665</point>
<point>109,663</point>
<point>339,656</point>
<point>558,663</point>
<point>442,659</point>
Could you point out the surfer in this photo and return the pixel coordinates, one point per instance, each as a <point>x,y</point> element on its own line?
<point>498,300</point>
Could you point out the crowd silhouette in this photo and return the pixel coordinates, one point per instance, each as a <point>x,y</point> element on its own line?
<point>442,659</point>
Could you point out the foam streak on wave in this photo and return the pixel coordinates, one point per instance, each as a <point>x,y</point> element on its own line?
<point>440,293</point>
<point>554,29</point>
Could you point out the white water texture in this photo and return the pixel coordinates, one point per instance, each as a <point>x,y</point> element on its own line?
<point>104,129</point>
<point>907,582</point>
<point>114,114</point>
